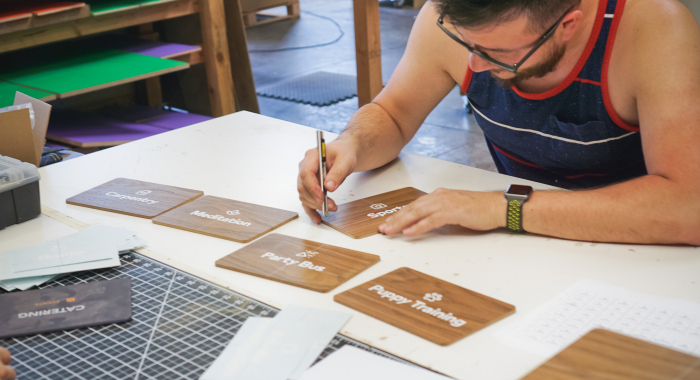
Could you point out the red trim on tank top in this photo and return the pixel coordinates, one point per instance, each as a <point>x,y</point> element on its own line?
<point>467,79</point>
<point>588,81</point>
<point>515,159</point>
<point>604,75</point>
<point>600,18</point>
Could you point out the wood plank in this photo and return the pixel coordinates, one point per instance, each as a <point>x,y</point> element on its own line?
<point>226,218</point>
<point>39,16</point>
<point>96,24</point>
<point>362,218</point>
<point>216,58</point>
<point>242,71</point>
<point>299,262</point>
<point>132,197</point>
<point>426,306</point>
<point>603,354</point>
<point>368,50</point>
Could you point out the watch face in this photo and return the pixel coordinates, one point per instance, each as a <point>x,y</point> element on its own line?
<point>519,190</point>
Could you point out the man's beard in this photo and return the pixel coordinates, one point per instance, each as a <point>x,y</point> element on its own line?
<point>537,71</point>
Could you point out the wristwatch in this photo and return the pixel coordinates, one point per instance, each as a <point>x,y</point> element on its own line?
<point>516,195</point>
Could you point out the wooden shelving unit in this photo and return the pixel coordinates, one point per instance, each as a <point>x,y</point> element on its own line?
<point>215,52</point>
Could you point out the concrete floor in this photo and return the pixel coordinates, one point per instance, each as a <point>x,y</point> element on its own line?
<point>449,133</point>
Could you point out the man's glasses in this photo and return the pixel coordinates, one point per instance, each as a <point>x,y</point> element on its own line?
<point>510,68</point>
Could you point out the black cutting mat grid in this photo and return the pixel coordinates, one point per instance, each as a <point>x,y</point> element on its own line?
<point>194,320</point>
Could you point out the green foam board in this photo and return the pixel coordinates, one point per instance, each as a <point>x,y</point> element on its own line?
<point>99,7</point>
<point>8,90</point>
<point>67,69</point>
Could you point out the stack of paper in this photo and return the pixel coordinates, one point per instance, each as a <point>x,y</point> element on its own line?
<point>93,248</point>
<point>277,348</point>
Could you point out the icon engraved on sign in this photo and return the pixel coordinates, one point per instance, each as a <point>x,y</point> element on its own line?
<point>307,254</point>
<point>233,212</point>
<point>143,192</point>
<point>377,206</point>
<point>432,297</point>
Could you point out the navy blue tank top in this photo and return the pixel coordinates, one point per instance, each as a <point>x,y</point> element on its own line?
<point>569,136</point>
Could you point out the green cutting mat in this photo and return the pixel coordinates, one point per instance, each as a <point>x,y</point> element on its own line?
<point>98,7</point>
<point>7,93</point>
<point>66,69</point>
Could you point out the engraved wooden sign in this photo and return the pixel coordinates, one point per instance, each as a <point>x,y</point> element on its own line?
<point>423,305</point>
<point>136,198</point>
<point>225,218</point>
<point>362,218</point>
<point>303,263</point>
<point>602,354</point>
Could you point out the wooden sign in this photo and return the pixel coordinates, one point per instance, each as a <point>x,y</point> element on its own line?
<point>362,218</point>
<point>225,218</point>
<point>135,198</point>
<point>303,263</point>
<point>433,309</point>
<point>603,354</point>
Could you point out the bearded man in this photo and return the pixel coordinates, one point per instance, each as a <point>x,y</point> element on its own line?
<point>598,96</point>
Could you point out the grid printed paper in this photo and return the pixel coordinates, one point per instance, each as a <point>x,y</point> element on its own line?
<point>590,304</point>
<point>194,321</point>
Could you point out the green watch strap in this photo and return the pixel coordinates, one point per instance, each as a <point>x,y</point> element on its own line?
<point>515,216</point>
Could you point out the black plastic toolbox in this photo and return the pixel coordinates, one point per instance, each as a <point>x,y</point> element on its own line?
<point>19,192</point>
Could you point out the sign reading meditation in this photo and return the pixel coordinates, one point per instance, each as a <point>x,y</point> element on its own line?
<point>362,218</point>
<point>135,198</point>
<point>225,218</point>
<point>429,307</point>
<point>304,263</point>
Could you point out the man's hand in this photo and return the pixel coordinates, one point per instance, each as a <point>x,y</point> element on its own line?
<point>340,163</point>
<point>6,372</point>
<point>474,210</point>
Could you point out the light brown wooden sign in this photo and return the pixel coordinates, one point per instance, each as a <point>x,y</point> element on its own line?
<point>429,307</point>
<point>603,354</point>
<point>135,198</point>
<point>362,218</point>
<point>225,218</point>
<point>303,263</point>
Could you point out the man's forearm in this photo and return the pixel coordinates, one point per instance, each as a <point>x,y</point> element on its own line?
<point>375,135</point>
<point>649,209</point>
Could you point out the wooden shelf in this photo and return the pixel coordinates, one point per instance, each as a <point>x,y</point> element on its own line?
<point>34,36</point>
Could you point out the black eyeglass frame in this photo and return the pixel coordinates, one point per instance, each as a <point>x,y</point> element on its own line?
<point>510,68</point>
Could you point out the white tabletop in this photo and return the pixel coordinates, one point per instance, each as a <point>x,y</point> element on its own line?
<point>255,159</point>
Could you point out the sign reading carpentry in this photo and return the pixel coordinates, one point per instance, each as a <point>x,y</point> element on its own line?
<point>429,307</point>
<point>225,218</point>
<point>362,218</point>
<point>304,263</point>
<point>135,198</point>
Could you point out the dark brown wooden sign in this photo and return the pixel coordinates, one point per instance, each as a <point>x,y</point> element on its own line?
<point>136,198</point>
<point>303,263</point>
<point>429,307</point>
<point>362,218</point>
<point>603,354</point>
<point>225,218</point>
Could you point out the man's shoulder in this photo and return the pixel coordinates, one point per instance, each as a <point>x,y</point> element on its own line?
<point>655,17</point>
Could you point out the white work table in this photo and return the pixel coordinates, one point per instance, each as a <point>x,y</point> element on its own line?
<point>254,159</point>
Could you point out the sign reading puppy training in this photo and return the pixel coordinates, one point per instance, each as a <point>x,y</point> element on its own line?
<point>225,218</point>
<point>433,309</point>
<point>135,198</point>
<point>362,218</point>
<point>304,263</point>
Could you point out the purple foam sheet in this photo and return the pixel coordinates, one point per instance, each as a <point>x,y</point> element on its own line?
<point>137,45</point>
<point>85,128</point>
<point>175,120</point>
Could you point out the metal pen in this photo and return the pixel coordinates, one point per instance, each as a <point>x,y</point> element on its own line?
<point>321,144</point>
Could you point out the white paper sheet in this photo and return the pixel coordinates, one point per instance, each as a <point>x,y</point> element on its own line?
<point>590,304</point>
<point>280,348</point>
<point>124,241</point>
<point>352,363</point>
